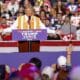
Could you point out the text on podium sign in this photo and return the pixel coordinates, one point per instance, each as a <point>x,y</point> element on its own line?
<point>23,35</point>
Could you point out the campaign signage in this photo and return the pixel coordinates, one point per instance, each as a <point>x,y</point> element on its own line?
<point>22,35</point>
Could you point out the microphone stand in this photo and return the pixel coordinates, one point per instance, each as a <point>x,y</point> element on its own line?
<point>29,29</point>
<point>70,41</point>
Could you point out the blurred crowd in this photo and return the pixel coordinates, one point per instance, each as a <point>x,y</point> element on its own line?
<point>61,18</point>
<point>32,70</point>
<point>62,21</point>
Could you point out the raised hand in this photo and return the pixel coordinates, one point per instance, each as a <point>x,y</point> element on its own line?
<point>69,49</point>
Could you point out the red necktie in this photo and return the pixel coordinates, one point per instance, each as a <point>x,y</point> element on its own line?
<point>29,18</point>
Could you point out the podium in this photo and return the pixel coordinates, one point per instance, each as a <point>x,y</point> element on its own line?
<point>29,40</point>
<point>29,46</point>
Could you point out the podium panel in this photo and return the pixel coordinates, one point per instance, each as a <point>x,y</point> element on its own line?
<point>35,46</point>
<point>29,46</point>
<point>23,46</point>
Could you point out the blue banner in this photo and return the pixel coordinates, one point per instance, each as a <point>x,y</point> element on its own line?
<point>23,35</point>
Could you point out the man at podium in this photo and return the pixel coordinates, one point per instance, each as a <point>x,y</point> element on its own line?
<point>27,22</point>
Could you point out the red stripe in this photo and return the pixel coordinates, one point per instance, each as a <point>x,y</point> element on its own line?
<point>59,43</point>
<point>42,43</point>
<point>9,44</point>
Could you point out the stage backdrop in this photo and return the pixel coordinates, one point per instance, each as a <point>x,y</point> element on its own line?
<point>47,58</point>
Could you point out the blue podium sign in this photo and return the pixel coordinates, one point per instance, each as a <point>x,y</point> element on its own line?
<point>22,35</point>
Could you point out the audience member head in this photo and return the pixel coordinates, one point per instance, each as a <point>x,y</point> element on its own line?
<point>36,61</point>
<point>7,72</point>
<point>67,19</point>
<point>20,11</point>
<point>67,11</point>
<point>4,72</point>
<point>29,72</point>
<point>3,20</point>
<point>3,7</point>
<point>45,7</point>
<point>59,16</point>
<point>47,23</point>
<point>48,15</point>
<point>72,1</point>
<point>59,3</point>
<point>15,76</point>
<point>42,14</point>
<point>53,12</point>
<point>27,3</point>
<point>63,75</point>
<point>47,73</point>
<point>13,1</point>
<point>61,61</point>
